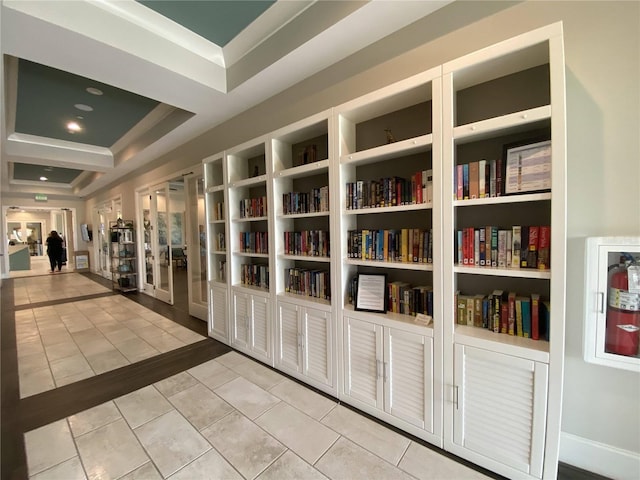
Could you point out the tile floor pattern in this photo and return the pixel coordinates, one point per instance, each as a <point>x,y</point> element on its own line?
<point>229,418</point>
<point>71,341</point>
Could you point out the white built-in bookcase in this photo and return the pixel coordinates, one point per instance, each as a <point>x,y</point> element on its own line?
<point>494,399</point>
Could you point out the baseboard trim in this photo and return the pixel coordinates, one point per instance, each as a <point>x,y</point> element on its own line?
<point>599,458</point>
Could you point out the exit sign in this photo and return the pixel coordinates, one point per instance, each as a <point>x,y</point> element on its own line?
<point>40,197</point>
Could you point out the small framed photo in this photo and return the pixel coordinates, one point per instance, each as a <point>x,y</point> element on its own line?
<point>527,167</point>
<point>372,293</point>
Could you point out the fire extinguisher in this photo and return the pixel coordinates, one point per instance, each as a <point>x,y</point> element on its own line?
<point>623,311</point>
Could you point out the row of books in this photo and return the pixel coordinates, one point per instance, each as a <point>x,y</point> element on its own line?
<point>218,211</point>
<point>254,242</point>
<point>310,283</point>
<point>408,245</point>
<point>308,155</point>
<point>297,202</point>
<point>220,242</point>
<point>255,275</point>
<point>253,207</point>
<point>390,191</point>
<point>505,312</point>
<point>517,247</point>
<point>311,243</point>
<point>480,179</point>
<point>402,297</point>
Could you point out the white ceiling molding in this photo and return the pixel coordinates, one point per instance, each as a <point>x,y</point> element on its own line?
<point>32,149</point>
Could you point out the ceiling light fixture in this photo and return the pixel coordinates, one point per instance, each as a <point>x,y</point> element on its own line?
<point>83,107</point>
<point>44,179</point>
<point>73,127</point>
<point>94,91</point>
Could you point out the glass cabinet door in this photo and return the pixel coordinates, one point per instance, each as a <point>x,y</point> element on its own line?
<point>612,320</point>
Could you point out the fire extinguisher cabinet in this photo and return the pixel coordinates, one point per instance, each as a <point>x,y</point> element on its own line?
<point>612,295</point>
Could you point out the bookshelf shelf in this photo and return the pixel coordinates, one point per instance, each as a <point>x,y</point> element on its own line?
<point>398,208</point>
<point>423,267</point>
<point>503,125</point>
<point>219,252</point>
<point>390,151</point>
<point>304,215</point>
<point>249,182</point>
<point>504,272</point>
<point>530,197</point>
<point>315,168</point>
<point>319,303</point>
<point>251,289</point>
<point>305,258</point>
<point>536,350</point>
<point>250,254</point>
<point>215,188</point>
<point>250,219</point>
<point>390,319</point>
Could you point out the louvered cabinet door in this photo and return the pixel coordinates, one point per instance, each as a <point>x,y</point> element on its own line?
<point>363,362</point>
<point>316,336</point>
<point>408,377</point>
<point>240,330</point>
<point>218,324</point>
<point>260,327</point>
<point>288,337</point>
<point>501,407</point>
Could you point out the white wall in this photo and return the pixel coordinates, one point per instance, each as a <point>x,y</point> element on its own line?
<point>601,413</point>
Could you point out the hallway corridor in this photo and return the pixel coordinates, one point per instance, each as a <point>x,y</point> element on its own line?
<point>101,385</point>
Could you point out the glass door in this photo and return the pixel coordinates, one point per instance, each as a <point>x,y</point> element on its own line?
<point>103,245</point>
<point>146,243</point>
<point>197,246</point>
<point>161,238</point>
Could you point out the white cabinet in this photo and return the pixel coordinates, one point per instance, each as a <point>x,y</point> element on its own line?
<point>304,344</point>
<point>382,177</point>
<point>500,410</point>
<point>390,370</point>
<point>251,326</point>
<point>506,367</point>
<point>218,314</point>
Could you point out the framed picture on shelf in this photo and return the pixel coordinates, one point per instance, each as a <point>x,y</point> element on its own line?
<point>371,295</point>
<point>527,167</point>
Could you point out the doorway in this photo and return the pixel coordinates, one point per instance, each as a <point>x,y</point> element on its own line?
<point>171,232</point>
<point>26,232</point>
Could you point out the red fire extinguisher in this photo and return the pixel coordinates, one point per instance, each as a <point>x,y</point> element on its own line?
<point>623,312</point>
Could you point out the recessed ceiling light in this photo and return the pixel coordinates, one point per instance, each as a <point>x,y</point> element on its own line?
<point>94,91</point>
<point>44,179</point>
<point>79,117</point>
<point>83,107</point>
<point>73,127</point>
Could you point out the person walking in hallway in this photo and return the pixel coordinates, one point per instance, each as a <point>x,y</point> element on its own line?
<point>54,250</point>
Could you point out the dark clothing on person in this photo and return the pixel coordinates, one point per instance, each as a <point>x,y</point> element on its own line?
<point>54,251</point>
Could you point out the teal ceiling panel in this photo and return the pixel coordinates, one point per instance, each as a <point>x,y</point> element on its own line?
<point>217,21</point>
<point>28,172</point>
<point>47,100</point>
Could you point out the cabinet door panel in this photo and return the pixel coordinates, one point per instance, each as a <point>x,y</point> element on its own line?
<point>317,340</point>
<point>409,377</point>
<point>260,328</point>
<point>363,375</point>
<point>240,319</point>
<point>501,407</point>
<point>218,323</point>
<point>288,336</point>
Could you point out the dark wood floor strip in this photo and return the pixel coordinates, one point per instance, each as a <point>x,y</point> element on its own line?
<point>61,301</point>
<point>44,408</point>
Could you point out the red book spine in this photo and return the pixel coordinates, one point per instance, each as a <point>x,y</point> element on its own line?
<point>535,316</point>
<point>504,317</point>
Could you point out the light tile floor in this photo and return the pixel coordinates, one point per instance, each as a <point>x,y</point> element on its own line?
<point>217,421</point>
<point>71,341</point>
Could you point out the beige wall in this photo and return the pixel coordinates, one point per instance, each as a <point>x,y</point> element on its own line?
<point>602,47</point>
